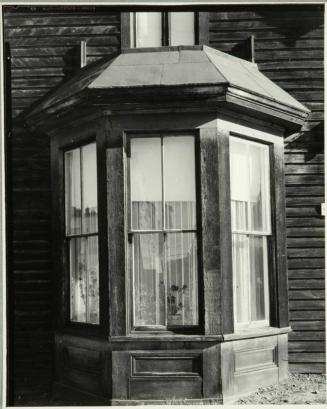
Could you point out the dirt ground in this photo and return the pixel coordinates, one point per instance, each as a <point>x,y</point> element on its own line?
<point>298,389</point>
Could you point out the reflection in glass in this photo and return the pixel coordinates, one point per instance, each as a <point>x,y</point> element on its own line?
<point>181,28</point>
<point>182,299</point>
<point>73,192</point>
<point>84,279</point>
<point>78,280</point>
<point>147,29</point>
<point>146,183</point>
<point>149,287</point>
<point>89,189</point>
<point>179,182</point>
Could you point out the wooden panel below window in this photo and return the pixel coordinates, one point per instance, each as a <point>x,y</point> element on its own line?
<point>149,388</point>
<point>165,365</point>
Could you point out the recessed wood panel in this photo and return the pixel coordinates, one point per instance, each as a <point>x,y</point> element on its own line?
<point>249,381</point>
<point>174,388</point>
<point>165,365</point>
<point>251,360</point>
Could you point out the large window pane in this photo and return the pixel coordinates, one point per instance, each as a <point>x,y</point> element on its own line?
<point>250,186</point>
<point>179,182</point>
<point>73,192</point>
<point>182,298</point>
<point>239,180</point>
<point>78,279</point>
<point>89,189</point>
<point>258,157</point>
<point>147,29</point>
<point>148,280</point>
<point>181,28</point>
<point>84,279</point>
<point>146,183</point>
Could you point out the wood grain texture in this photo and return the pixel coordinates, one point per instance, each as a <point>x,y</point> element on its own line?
<point>210,230</point>
<point>116,240</point>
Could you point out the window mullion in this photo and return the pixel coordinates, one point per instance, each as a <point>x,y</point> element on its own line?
<point>165,40</point>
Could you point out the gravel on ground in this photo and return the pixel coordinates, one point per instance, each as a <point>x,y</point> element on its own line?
<point>306,389</point>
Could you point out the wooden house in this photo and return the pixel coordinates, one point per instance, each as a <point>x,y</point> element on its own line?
<point>123,284</point>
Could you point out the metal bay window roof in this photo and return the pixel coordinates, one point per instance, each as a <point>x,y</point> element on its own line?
<point>200,69</point>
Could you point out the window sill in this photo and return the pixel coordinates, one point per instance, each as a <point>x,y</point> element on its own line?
<point>256,333</point>
<point>168,337</point>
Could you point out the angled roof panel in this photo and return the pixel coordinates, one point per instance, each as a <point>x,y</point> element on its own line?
<point>171,66</point>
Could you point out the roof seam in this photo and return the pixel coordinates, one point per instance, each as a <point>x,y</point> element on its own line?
<point>212,63</point>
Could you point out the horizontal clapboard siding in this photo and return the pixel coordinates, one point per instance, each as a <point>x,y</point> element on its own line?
<point>44,48</point>
<point>288,44</point>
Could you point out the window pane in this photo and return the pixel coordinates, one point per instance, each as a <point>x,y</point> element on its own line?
<point>249,169</point>
<point>182,287</point>
<point>258,157</point>
<point>181,28</point>
<point>89,188</point>
<point>179,182</point>
<point>93,280</point>
<point>241,277</point>
<point>78,280</point>
<point>259,276</point>
<point>146,183</point>
<point>73,192</point>
<point>84,279</point>
<point>149,287</point>
<point>148,29</point>
<point>239,180</point>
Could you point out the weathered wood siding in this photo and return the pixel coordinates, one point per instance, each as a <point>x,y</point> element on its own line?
<point>288,44</point>
<point>44,46</point>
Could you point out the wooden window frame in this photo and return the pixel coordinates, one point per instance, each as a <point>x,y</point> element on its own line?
<point>268,237</point>
<point>69,237</point>
<point>182,329</point>
<point>200,29</point>
<point>276,241</point>
<point>59,145</point>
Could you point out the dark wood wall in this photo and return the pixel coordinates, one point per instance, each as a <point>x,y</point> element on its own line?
<point>44,46</point>
<point>289,49</point>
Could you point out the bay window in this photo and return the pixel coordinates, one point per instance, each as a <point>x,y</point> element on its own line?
<point>156,29</point>
<point>163,231</point>
<point>81,233</point>
<point>251,230</point>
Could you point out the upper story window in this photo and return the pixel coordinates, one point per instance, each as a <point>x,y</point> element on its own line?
<point>81,233</point>
<point>163,231</point>
<point>156,29</point>
<point>251,230</point>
